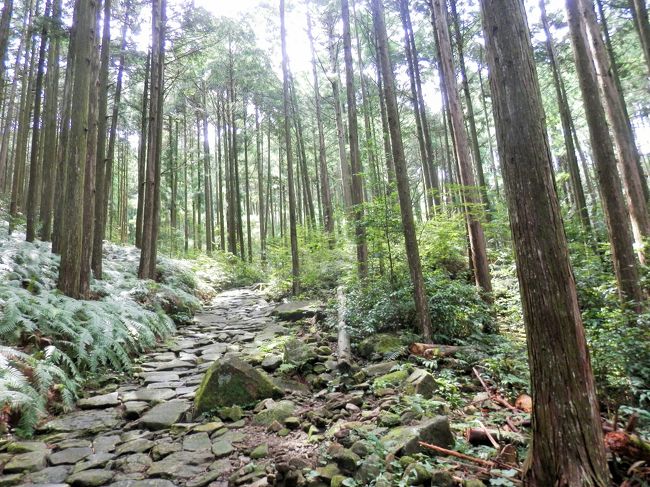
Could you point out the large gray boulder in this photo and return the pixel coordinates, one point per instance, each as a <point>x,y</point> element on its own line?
<point>232,382</point>
<point>404,440</point>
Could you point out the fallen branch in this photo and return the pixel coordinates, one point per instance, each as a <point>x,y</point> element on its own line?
<point>485,471</point>
<point>344,352</point>
<point>479,461</point>
<point>462,456</point>
<point>494,397</point>
<point>481,436</point>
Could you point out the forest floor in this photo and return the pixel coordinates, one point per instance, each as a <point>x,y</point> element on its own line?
<point>300,418</point>
<point>361,427</point>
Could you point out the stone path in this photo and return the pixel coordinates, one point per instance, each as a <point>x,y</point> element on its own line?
<point>142,433</point>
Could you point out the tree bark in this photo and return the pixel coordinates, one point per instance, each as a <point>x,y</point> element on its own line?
<point>142,153</point>
<point>565,117</point>
<point>567,446</point>
<point>50,129</point>
<point>403,186</point>
<point>151,210</point>
<point>34,187</point>
<point>471,196</point>
<point>640,14</point>
<point>476,150</point>
<point>72,224</point>
<point>616,216</point>
<point>621,129</point>
<point>293,235</point>
<point>356,169</point>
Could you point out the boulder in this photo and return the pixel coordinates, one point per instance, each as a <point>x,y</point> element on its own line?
<point>403,440</point>
<point>271,362</point>
<point>299,353</point>
<point>382,368</point>
<point>231,381</point>
<point>421,382</point>
<point>379,344</point>
<point>27,462</point>
<point>90,478</point>
<point>298,310</point>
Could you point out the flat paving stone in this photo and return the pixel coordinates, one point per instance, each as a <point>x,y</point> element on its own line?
<point>49,475</point>
<point>165,414</point>
<point>92,421</point>
<point>149,395</point>
<point>90,478</point>
<point>27,462</point>
<point>69,456</point>
<point>103,401</point>
<point>197,441</point>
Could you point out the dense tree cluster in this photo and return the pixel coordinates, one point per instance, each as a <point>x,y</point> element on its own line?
<point>203,141</point>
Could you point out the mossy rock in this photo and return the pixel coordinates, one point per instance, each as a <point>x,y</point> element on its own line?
<point>299,353</point>
<point>381,344</point>
<point>232,382</point>
<point>404,440</point>
<point>392,379</point>
<point>277,411</point>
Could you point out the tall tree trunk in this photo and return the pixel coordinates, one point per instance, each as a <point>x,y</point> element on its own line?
<point>34,188</point>
<point>471,194</point>
<point>64,147</point>
<point>640,14</point>
<point>355,154</point>
<point>411,59</point>
<point>186,217</point>
<point>403,186</point>
<point>151,210</point>
<point>72,235</point>
<point>565,117</point>
<point>340,130</point>
<point>23,120</point>
<point>486,119</point>
<point>209,238</point>
<point>473,134</point>
<point>621,129</point>
<point>5,22</point>
<point>616,216</point>
<point>293,235</point>
<point>249,239</point>
<point>91,167</point>
<point>435,183</point>
<point>261,207</point>
<point>142,153</point>
<point>50,129</point>
<point>219,142</point>
<point>569,451</point>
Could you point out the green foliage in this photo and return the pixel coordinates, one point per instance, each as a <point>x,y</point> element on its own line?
<point>52,343</point>
<point>323,266</point>
<point>443,245</point>
<point>457,310</point>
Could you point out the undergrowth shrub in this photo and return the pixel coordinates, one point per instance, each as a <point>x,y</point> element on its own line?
<point>322,267</point>
<point>52,343</point>
<point>456,308</point>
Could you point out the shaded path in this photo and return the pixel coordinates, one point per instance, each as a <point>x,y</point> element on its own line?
<point>142,434</point>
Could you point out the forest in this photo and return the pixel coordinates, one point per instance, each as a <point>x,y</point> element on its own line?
<point>324,243</point>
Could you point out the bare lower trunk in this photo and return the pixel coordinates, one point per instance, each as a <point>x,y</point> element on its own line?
<point>567,445</point>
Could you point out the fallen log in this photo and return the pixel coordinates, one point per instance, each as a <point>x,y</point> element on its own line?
<point>344,352</point>
<point>429,351</point>
<point>481,436</point>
